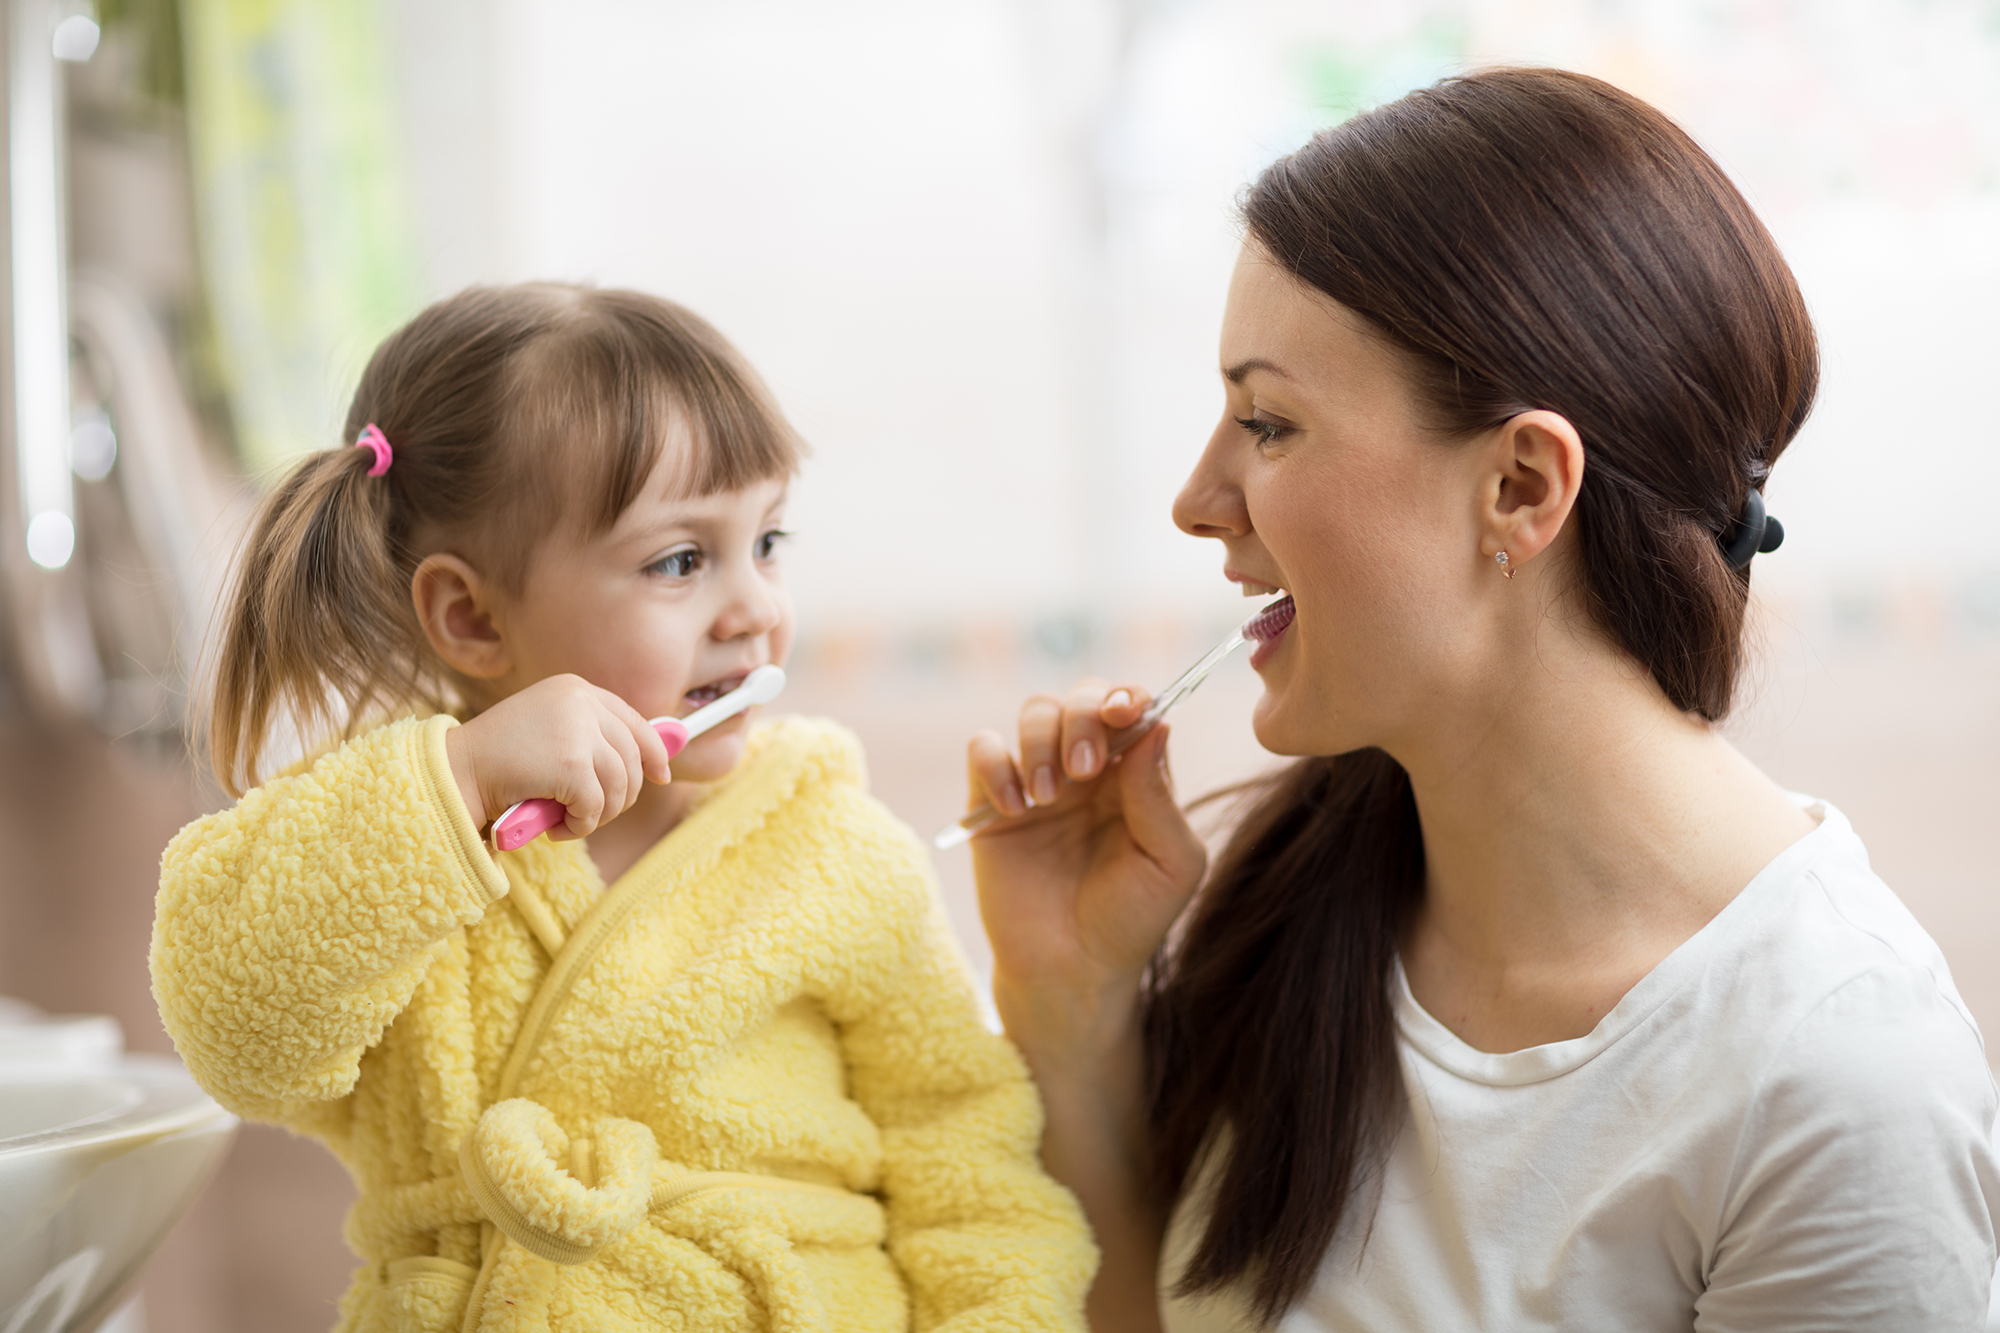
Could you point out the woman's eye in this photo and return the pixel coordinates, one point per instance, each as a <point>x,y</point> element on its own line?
<point>1267,432</point>
<point>677,564</point>
<point>767,543</point>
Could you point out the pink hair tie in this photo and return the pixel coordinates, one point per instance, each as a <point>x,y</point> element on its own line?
<point>373,438</point>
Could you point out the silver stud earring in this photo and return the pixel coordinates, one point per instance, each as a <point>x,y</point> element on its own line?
<point>1500,559</point>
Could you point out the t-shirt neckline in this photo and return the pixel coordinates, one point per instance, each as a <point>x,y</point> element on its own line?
<point>1764,893</point>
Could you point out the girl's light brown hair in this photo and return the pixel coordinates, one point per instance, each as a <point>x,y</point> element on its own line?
<point>1528,239</point>
<point>511,410</point>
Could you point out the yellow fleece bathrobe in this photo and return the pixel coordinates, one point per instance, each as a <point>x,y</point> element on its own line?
<point>745,1087</point>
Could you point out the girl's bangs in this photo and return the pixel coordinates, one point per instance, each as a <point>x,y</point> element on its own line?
<point>602,402</point>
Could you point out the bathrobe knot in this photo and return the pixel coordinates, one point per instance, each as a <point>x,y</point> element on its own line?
<point>561,1198</point>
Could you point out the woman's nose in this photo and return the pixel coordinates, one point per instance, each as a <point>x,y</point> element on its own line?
<point>1211,502</point>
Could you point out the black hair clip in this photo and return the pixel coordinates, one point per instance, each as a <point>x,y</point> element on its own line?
<point>1753,533</point>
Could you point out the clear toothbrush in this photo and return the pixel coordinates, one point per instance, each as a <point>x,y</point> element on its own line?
<point>1123,739</point>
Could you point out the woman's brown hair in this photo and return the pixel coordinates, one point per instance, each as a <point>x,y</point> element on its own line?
<point>1529,239</point>
<point>510,410</point>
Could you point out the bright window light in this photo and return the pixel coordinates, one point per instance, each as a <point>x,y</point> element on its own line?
<point>51,539</point>
<point>92,449</point>
<point>76,38</point>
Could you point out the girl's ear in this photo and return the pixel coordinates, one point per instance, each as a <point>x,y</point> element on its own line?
<point>455,605</point>
<point>1532,474</point>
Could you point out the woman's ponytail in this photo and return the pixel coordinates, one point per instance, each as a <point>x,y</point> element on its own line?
<point>1273,1018</point>
<point>320,630</point>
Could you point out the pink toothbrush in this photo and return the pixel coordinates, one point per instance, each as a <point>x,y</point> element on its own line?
<point>524,821</point>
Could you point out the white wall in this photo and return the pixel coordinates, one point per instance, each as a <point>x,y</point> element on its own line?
<point>979,247</point>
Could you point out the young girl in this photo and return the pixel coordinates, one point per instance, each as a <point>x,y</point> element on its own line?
<point>720,1067</point>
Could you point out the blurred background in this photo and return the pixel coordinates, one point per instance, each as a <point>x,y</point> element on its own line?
<point>979,249</point>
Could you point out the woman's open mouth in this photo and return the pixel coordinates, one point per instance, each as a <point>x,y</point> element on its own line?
<point>1271,621</point>
<point>1268,626</point>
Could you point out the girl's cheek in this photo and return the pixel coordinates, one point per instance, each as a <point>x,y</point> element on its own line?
<point>711,757</point>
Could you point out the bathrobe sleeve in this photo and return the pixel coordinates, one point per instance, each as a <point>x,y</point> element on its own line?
<point>985,1238</point>
<point>291,929</point>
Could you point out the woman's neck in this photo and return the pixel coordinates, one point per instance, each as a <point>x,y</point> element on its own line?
<point>1577,829</point>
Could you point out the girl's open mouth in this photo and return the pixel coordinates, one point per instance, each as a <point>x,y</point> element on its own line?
<point>715,689</point>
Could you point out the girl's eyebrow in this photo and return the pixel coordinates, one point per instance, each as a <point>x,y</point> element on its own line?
<point>655,531</point>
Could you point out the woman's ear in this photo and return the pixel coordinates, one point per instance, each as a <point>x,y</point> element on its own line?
<point>1533,475</point>
<point>455,605</point>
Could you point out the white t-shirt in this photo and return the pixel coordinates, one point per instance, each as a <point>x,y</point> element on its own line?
<point>1785,1125</point>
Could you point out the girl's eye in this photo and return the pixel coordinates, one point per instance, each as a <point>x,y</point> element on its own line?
<point>677,564</point>
<point>1267,432</point>
<point>767,543</point>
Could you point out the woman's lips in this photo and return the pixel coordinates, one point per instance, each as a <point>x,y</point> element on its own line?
<point>1267,627</point>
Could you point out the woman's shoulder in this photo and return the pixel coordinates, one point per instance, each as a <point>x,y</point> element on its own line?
<point>1825,917</point>
<point>1831,974</point>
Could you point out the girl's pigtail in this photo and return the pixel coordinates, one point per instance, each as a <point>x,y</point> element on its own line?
<point>321,631</point>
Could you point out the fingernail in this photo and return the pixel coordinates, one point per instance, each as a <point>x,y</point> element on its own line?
<point>1083,759</point>
<point>1010,799</point>
<point>1119,699</point>
<point>1044,786</point>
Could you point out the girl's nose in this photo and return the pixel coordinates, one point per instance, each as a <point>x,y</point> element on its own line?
<point>755,607</point>
<point>1211,502</point>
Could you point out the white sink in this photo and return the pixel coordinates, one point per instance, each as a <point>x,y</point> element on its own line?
<point>100,1154</point>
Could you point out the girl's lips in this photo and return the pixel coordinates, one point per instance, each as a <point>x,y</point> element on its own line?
<point>1268,626</point>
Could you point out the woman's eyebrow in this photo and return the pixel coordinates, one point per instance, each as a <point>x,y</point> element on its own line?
<point>1236,372</point>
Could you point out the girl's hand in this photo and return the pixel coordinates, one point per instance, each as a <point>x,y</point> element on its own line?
<point>1079,890</point>
<point>561,738</point>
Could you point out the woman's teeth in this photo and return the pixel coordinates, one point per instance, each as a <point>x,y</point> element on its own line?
<point>1272,621</point>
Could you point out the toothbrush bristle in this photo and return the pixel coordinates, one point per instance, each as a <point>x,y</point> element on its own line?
<point>1271,621</point>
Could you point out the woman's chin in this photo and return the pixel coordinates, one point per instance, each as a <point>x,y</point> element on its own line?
<point>1289,720</point>
<point>1273,728</point>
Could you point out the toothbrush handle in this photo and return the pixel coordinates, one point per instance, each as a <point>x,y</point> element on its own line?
<point>1121,740</point>
<point>524,821</point>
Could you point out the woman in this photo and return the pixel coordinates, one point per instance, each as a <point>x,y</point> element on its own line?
<point>1522,1000</point>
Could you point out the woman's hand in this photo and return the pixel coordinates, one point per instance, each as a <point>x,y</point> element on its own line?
<point>1080,887</point>
<point>561,738</point>
<point>1077,889</point>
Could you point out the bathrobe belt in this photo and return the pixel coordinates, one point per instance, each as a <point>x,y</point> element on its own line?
<point>565,1198</point>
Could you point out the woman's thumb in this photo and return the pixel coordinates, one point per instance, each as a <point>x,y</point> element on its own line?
<point>1153,817</point>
